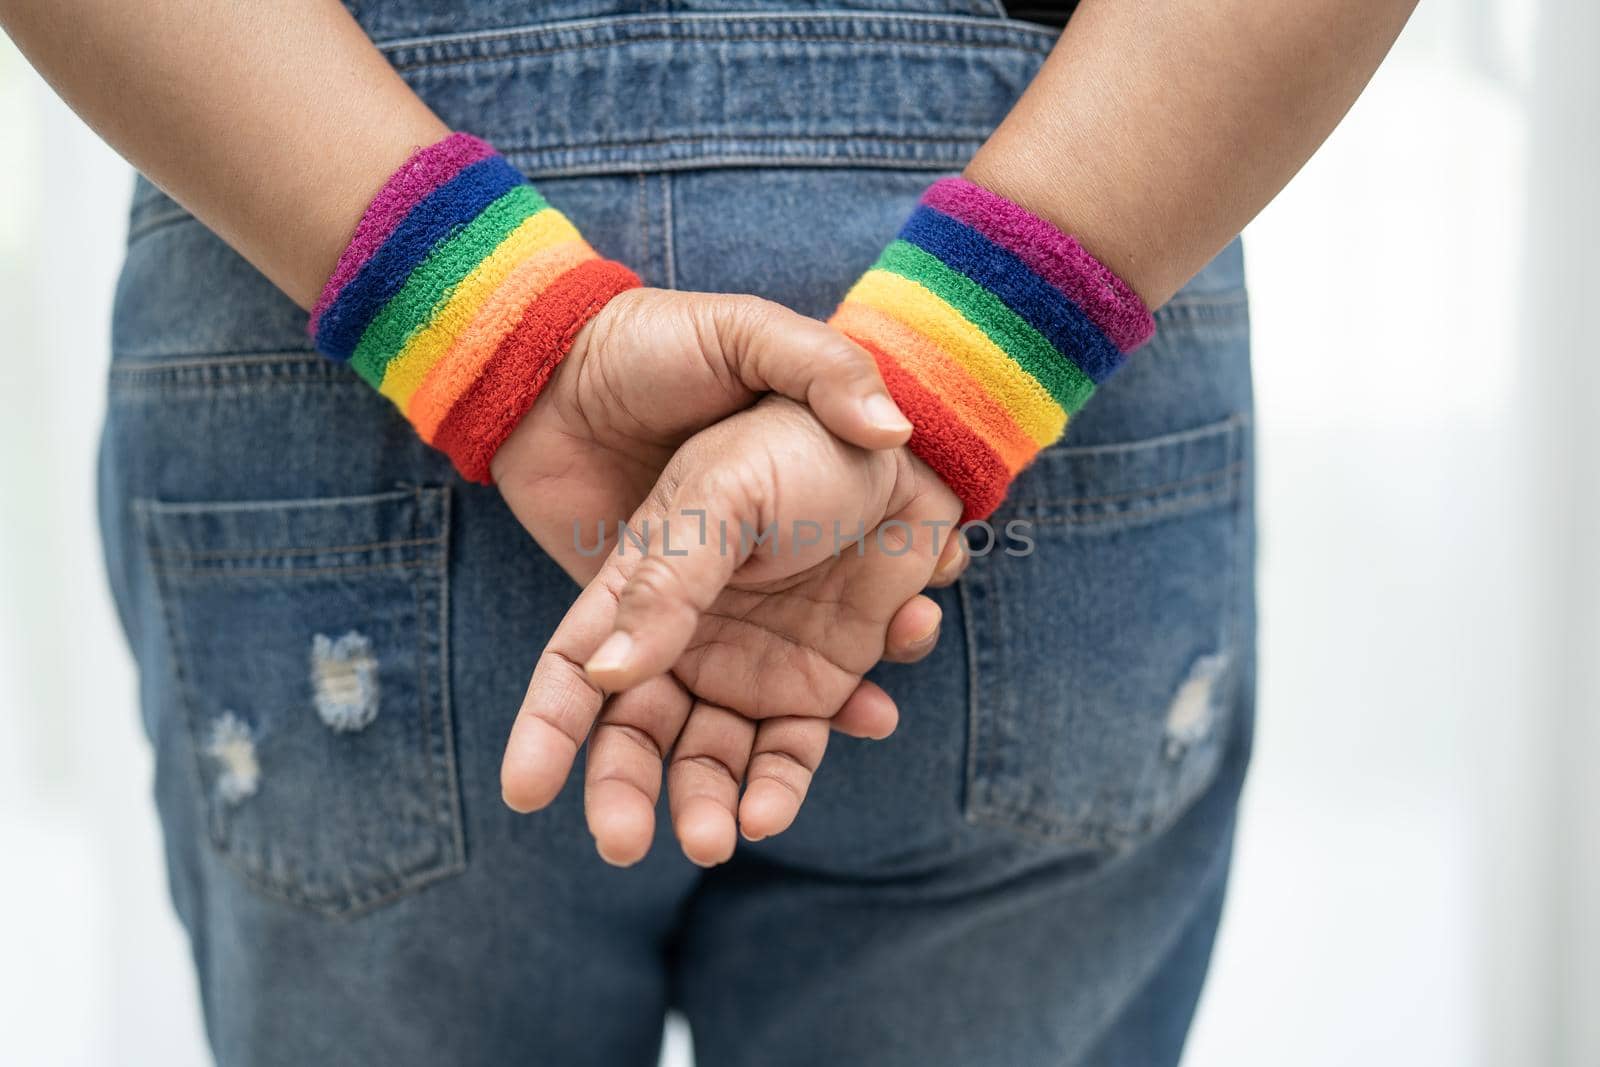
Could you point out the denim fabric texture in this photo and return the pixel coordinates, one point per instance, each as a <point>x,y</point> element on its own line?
<point>334,632</point>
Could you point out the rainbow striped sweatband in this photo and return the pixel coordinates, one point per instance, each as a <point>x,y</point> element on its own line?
<point>990,327</point>
<point>460,292</point>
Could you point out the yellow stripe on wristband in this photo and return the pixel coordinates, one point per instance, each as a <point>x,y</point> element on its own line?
<point>424,348</point>
<point>1033,408</point>
<point>473,346</point>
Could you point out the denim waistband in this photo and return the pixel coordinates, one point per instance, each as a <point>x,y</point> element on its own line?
<point>641,93</point>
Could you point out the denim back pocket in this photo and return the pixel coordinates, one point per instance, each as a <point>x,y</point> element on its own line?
<point>309,643</point>
<point>1101,656</point>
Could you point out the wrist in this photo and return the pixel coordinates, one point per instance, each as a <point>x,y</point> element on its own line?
<point>459,294</point>
<point>991,327</point>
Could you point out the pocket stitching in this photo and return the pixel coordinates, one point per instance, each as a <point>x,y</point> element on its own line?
<point>1161,508</point>
<point>985,804</point>
<point>439,744</point>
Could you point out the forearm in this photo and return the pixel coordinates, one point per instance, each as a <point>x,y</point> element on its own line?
<point>1158,128</point>
<point>273,123</point>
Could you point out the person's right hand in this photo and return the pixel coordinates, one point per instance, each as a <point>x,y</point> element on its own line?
<point>653,368</point>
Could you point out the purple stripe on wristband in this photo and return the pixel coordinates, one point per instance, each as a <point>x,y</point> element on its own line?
<point>426,170</point>
<point>1105,298</point>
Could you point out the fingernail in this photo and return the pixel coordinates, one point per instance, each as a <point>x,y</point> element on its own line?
<point>612,860</point>
<point>953,562</point>
<point>884,415</point>
<point>612,655</point>
<point>926,638</point>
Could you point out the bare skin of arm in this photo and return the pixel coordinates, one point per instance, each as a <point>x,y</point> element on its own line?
<point>1154,132</point>
<point>274,124</point>
<point>1158,128</point>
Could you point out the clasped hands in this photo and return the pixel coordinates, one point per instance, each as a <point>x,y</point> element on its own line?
<point>728,481</point>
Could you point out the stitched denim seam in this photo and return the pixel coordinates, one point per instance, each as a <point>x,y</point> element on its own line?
<point>953,153</point>
<point>668,252</point>
<point>944,137</point>
<point>897,44</point>
<point>1227,427</point>
<point>971,31</point>
<point>644,223</point>
<point>298,550</point>
<point>296,572</point>
<point>470,38</point>
<point>209,507</point>
<point>1152,493</point>
<point>424,699</point>
<point>958,153</point>
<point>969,803</point>
<point>1177,505</point>
<point>447,730</point>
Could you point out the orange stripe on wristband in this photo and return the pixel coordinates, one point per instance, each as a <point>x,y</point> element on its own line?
<point>956,453</point>
<point>450,378</point>
<point>495,403</point>
<point>962,393</point>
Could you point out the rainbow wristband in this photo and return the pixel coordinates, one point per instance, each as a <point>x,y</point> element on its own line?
<point>460,292</point>
<point>990,327</point>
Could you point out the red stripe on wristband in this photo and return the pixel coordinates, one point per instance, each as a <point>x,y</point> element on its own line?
<point>955,452</point>
<point>486,414</point>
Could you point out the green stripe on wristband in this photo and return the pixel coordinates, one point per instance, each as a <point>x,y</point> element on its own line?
<point>1062,379</point>
<point>436,277</point>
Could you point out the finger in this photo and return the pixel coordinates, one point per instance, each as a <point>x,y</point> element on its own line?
<point>679,577</point>
<point>953,560</point>
<point>913,632</point>
<point>559,707</point>
<point>786,756</point>
<point>622,778</point>
<point>868,713</point>
<point>707,766</point>
<point>774,349</point>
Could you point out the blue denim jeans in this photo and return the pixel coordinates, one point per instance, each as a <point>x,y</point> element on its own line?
<point>334,632</point>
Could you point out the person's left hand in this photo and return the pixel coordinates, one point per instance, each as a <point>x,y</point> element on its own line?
<point>732,656</point>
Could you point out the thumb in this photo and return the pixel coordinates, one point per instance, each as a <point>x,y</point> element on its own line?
<point>773,349</point>
<point>683,554</point>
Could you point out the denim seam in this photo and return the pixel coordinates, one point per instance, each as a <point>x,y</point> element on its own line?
<point>969,803</point>
<point>447,730</point>
<point>718,28</point>
<point>668,253</point>
<point>667,38</point>
<point>644,223</point>
<point>199,799</point>
<point>1166,509</point>
<point>944,137</point>
<point>1229,426</point>
<point>298,550</point>
<point>295,572</point>
<point>715,19</point>
<point>426,699</point>
<point>957,154</point>
<point>165,507</point>
<point>1152,493</point>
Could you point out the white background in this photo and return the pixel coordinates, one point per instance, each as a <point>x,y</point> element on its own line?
<point>1420,849</point>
